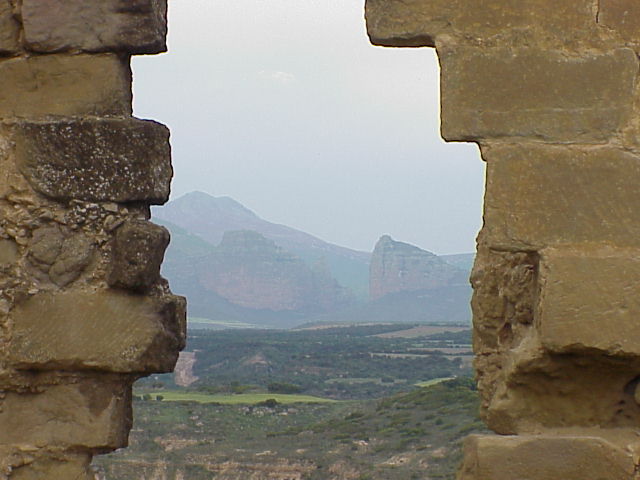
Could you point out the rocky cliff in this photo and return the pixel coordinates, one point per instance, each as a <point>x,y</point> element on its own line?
<point>251,271</point>
<point>208,218</point>
<point>401,267</point>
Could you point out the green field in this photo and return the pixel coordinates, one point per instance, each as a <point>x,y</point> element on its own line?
<point>201,322</point>
<point>236,399</point>
<point>433,381</point>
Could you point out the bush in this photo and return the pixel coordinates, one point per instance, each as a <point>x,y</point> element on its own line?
<point>282,387</point>
<point>269,403</point>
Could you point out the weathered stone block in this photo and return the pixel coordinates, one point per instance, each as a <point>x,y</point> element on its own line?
<point>505,286</point>
<point>544,457</point>
<point>526,390</point>
<point>540,196</point>
<point>68,85</point>
<point>69,466</point>
<point>623,16</point>
<point>496,93</point>
<point>138,251</point>
<point>89,414</point>
<point>62,256</point>
<point>133,26</point>
<point>414,23</point>
<point>110,160</point>
<point>9,28</point>
<point>106,330</point>
<point>589,301</point>
<point>9,253</point>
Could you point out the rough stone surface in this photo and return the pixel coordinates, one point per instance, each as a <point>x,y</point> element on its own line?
<point>133,26</point>
<point>108,331</point>
<point>525,391</point>
<point>505,289</point>
<point>622,16</point>
<point>138,252</point>
<point>68,85</point>
<point>399,267</point>
<point>96,160</point>
<point>541,196</point>
<point>410,23</point>
<point>9,29</point>
<point>544,458</point>
<point>88,413</point>
<point>67,466</point>
<point>497,93</point>
<point>601,315</point>
<point>9,253</point>
<point>63,257</point>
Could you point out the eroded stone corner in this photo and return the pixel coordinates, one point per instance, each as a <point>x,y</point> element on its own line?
<point>549,91</point>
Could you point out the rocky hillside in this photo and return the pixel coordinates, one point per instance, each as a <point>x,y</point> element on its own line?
<point>245,276</point>
<point>248,278</point>
<point>208,218</point>
<point>251,271</point>
<point>401,267</point>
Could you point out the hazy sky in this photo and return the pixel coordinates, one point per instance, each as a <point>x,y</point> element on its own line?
<point>286,107</point>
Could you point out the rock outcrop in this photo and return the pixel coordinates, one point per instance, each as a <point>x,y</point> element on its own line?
<point>210,217</point>
<point>251,271</point>
<point>401,267</point>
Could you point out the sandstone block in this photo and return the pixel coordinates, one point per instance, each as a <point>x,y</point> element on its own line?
<point>90,414</point>
<point>589,301</point>
<point>107,330</point>
<point>544,457</point>
<point>414,23</point>
<point>497,93</point>
<point>9,28</point>
<point>61,466</point>
<point>138,251</point>
<point>107,160</point>
<point>622,16</point>
<point>540,196</point>
<point>9,253</point>
<point>133,26</point>
<point>68,85</point>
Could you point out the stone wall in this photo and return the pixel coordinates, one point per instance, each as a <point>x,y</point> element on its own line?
<point>83,309</point>
<point>549,90</point>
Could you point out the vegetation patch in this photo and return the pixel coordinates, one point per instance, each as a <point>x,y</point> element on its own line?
<point>239,399</point>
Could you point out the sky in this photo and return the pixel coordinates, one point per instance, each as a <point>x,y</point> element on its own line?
<point>285,106</point>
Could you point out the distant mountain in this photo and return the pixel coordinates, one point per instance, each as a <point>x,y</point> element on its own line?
<point>232,272</point>
<point>209,217</point>
<point>400,267</point>
<point>463,261</point>
<point>247,278</point>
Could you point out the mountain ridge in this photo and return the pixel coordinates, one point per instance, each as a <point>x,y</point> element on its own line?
<point>247,277</point>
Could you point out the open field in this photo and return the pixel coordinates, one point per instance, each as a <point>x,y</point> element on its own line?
<point>236,399</point>
<point>433,381</point>
<point>423,331</point>
<point>201,322</point>
<point>413,435</point>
